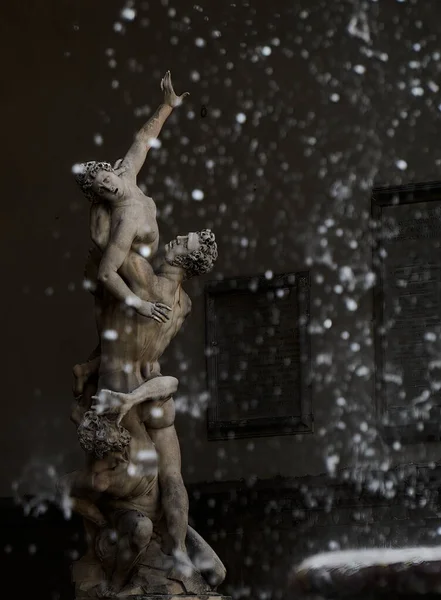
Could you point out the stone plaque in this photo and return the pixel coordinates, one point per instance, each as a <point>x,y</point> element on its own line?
<point>408,308</point>
<point>258,356</point>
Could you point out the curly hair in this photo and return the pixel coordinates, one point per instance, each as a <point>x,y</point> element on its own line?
<point>202,260</point>
<point>89,171</point>
<point>98,435</point>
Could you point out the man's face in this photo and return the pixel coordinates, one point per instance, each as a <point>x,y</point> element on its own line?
<point>182,246</point>
<point>107,185</point>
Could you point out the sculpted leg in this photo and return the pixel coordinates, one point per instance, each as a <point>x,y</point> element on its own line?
<point>134,531</point>
<point>173,492</point>
<point>204,558</point>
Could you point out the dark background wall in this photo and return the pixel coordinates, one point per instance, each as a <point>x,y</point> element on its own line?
<point>336,97</point>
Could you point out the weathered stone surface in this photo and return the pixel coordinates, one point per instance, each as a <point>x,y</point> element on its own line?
<point>169,597</point>
<point>130,491</point>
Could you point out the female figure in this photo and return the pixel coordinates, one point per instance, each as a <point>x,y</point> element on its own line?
<point>132,223</point>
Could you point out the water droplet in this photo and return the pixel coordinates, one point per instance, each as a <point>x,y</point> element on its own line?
<point>110,334</point>
<point>128,13</point>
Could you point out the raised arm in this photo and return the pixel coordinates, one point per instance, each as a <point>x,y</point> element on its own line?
<point>146,136</point>
<point>114,255</point>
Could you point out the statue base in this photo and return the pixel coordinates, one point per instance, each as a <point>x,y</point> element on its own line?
<point>211,596</point>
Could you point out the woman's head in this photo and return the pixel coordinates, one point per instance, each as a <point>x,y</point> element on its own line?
<point>98,180</point>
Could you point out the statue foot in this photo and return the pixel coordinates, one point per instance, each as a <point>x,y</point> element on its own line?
<point>182,564</point>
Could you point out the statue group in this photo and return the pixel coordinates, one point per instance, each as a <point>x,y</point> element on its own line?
<point>130,492</point>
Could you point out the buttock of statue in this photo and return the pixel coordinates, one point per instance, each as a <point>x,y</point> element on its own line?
<point>124,337</point>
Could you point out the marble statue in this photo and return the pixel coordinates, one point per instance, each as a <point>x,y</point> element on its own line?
<point>130,491</point>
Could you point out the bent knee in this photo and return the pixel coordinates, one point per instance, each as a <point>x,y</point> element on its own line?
<point>216,575</point>
<point>142,532</point>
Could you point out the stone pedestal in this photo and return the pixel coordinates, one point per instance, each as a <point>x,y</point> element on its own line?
<point>211,596</point>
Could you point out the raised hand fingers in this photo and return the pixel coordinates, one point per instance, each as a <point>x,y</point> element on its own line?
<point>166,81</point>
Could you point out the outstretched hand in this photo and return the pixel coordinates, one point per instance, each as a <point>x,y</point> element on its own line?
<point>170,97</point>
